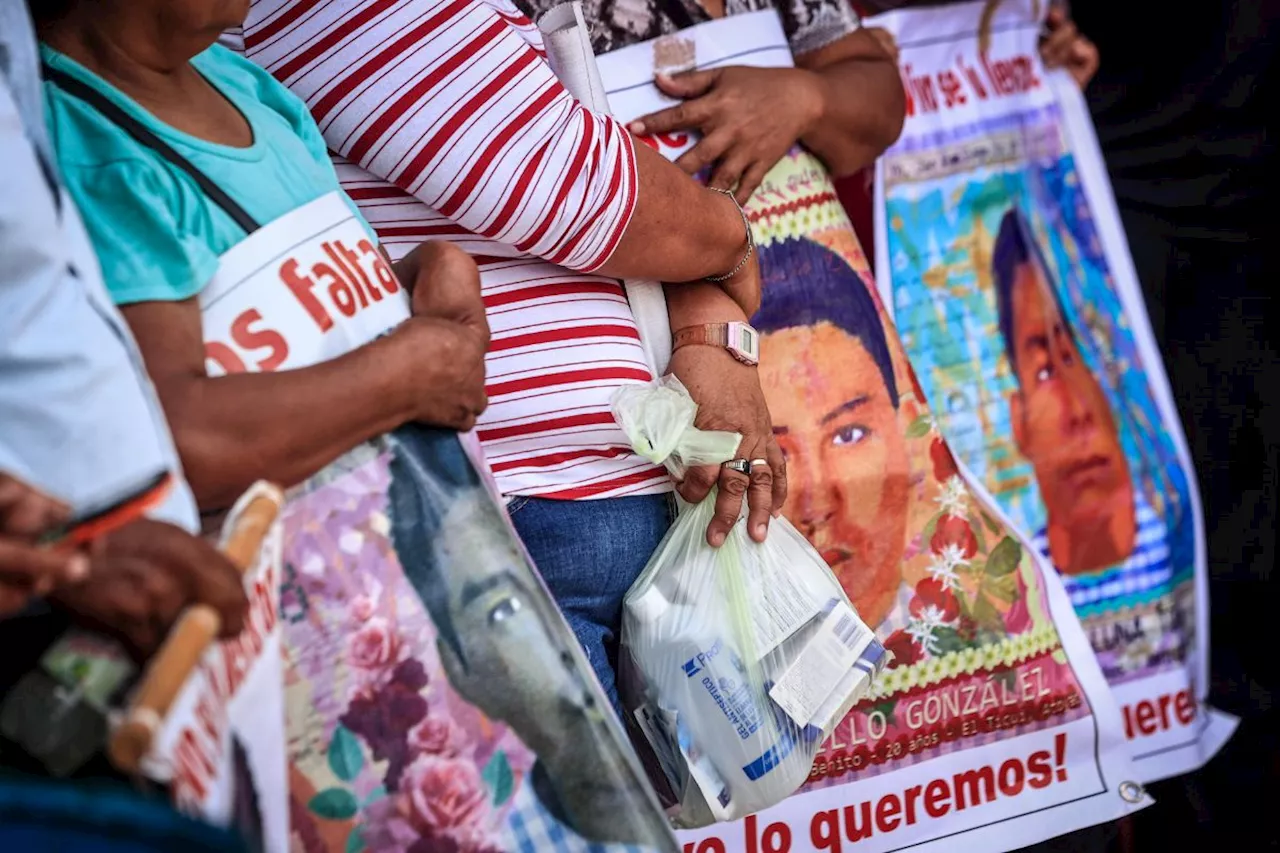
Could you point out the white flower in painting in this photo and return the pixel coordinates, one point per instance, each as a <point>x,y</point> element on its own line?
<point>954,499</point>
<point>921,627</point>
<point>944,565</point>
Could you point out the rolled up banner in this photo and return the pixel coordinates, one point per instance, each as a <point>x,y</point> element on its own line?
<point>568,53</point>
<point>568,45</point>
<point>1001,255</point>
<point>994,728</point>
<point>219,745</point>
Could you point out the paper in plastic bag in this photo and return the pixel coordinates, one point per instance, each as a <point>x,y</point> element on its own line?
<point>736,661</point>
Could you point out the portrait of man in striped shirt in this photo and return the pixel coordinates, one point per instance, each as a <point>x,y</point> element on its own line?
<point>1064,425</point>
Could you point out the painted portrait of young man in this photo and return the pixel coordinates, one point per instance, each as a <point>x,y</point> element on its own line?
<point>828,376</point>
<point>1064,425</point>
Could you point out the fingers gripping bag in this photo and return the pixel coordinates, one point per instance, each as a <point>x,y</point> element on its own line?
<point>736,662</point>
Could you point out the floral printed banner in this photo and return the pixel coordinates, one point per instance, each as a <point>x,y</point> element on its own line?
<point>436,701</point>
<point>994,728</point>
<point>1007,271</point>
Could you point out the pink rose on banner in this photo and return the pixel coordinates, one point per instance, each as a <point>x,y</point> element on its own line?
<point>375,645</point>
<point>442,805</point>
<point>445,793</point>
<point>438,735</point>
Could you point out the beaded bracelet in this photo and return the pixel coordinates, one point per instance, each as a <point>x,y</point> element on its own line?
<point>751,240</point>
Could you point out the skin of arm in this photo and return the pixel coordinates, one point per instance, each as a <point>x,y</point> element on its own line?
<point>680,231</point>
<point>863,103</point>
<point>233,430</point>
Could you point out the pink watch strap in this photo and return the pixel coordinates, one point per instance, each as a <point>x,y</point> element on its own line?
<point>710,334</point>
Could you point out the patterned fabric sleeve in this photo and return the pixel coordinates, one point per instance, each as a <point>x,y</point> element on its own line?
<point>809,24</point>
<point>814,24</point>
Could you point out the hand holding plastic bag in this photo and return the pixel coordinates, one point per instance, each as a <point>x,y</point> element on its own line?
<point>658,420</point>
<point>738,661</point>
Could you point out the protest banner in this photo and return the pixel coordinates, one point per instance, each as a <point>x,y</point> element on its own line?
<point>313,296</point>
<point>434,693</point>
<point>1002,258</point>
<point>994,729</point>
<point>218,748</point>
<point>434,697</point>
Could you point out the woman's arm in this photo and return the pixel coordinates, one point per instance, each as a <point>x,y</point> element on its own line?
<point>863,103</point>
<point>519,160</point>
<point>844,101</point>
<point>680,230</point>
<point>236,429</point>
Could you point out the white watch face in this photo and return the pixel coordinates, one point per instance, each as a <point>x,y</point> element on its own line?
<point>744,342</point>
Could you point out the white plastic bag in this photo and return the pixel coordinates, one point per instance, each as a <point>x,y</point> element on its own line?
<point>736,662</point>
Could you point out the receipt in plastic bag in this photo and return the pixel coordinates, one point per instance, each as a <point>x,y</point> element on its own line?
<point>822,665</point>
<point>849,689</point>
<point>781,603</point>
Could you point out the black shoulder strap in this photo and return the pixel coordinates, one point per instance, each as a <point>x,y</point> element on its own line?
<point>138,131</point>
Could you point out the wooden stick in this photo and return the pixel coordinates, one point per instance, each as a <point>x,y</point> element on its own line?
<point>192,634</point>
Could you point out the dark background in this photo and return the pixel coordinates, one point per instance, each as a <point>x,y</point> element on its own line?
<point>1185,105</point>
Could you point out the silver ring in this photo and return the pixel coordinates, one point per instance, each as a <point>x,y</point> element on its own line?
<point>755,462</point>
<point>739,465</point>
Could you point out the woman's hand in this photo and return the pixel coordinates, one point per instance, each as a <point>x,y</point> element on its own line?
<point>442,347</point>
<point>445,284</point>
<point>1063,46</point>
<point>730,399</point>
<point>885,40</point>
<point>749,118</point>
<point>141,578</point>
<point>27,569</point>
<point>441,368</point>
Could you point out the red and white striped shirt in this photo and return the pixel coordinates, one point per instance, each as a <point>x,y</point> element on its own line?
<point>447,123</point>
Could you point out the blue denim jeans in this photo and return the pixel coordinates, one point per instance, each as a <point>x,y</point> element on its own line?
<point>589,553</point>
<point>98,817</point>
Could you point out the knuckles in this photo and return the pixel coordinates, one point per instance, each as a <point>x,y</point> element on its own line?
<point>700,478</point>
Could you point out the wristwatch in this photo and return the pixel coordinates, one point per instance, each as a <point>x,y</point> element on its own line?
<point>742,341</point>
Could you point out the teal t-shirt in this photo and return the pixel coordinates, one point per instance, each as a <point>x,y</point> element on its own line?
<point>158,236</point>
